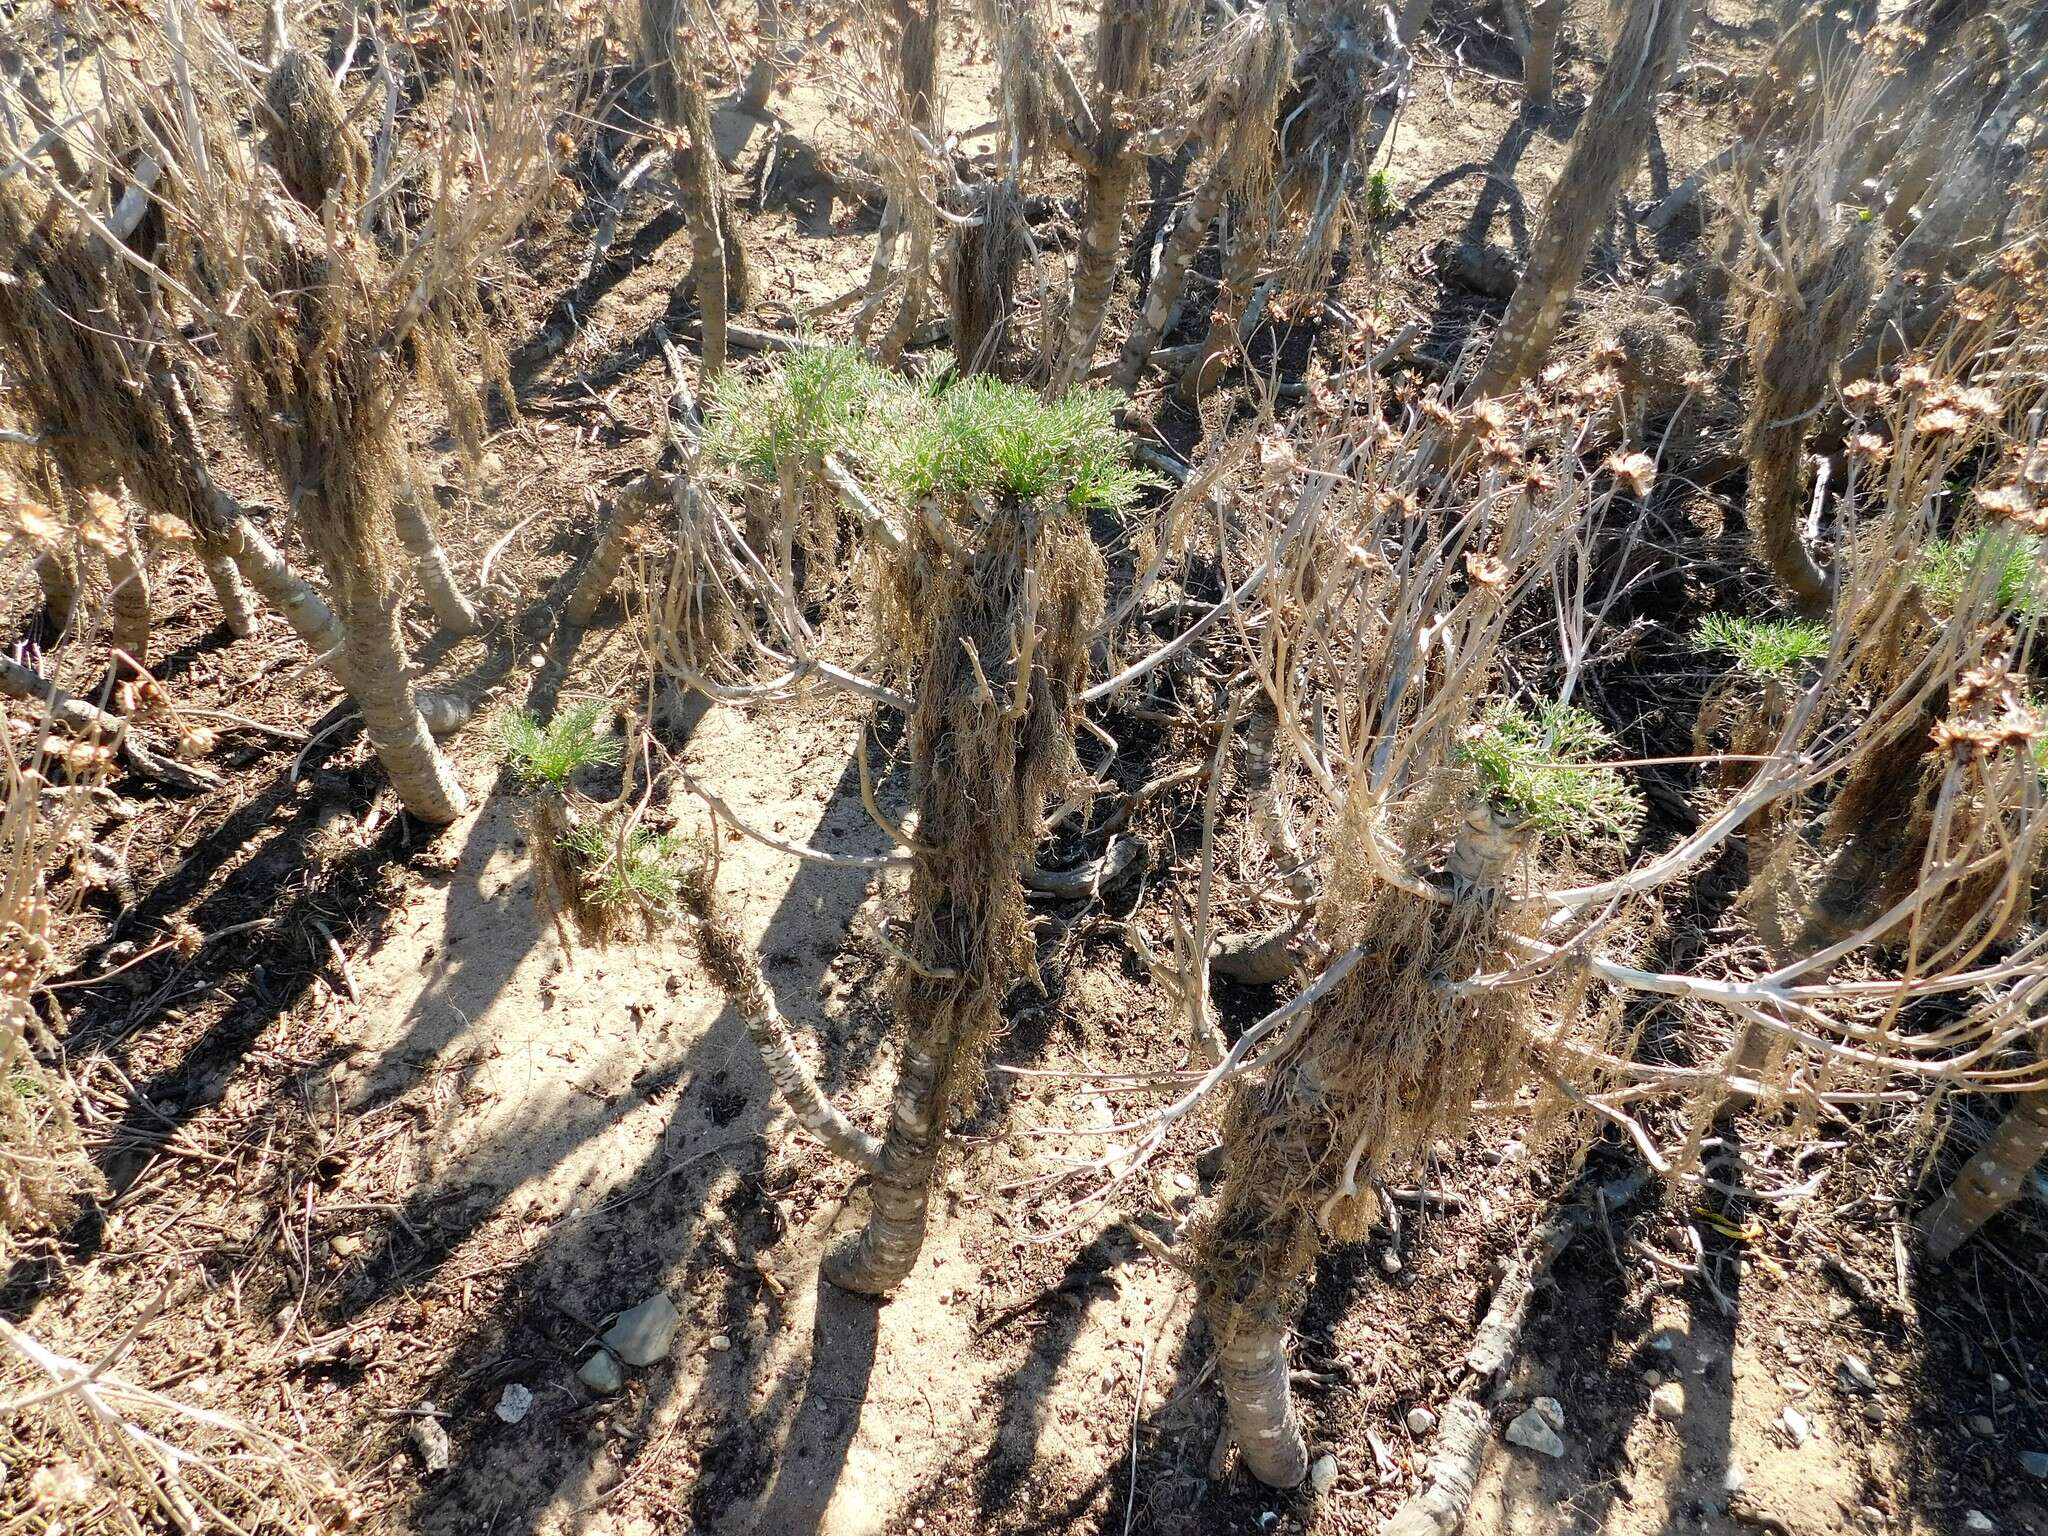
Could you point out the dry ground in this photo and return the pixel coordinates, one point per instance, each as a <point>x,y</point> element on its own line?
<point>399,1148</point>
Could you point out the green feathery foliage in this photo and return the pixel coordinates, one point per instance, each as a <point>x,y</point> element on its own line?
<point>1949,566</point>
<point>547,755</point>
<point>646,873</point>
<point>1764,648</point>
<point>1541,770</point>
<point>818,400</point>
<point>983,435</point>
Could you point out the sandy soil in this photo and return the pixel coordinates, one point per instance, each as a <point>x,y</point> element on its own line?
<point>402,1148</point>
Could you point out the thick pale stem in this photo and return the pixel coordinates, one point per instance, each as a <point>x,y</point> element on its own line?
<point>1252,1365</point>
<point>1123,44</point>
<point>456,613</point>
<point>381,685</point>
<point>237,606</point>
<point>128,598</point>
<point>598,578</point>
<point>311,619</point>
<point>1162,298</point>
<point>58,573</point>
<point>1610,141</point>
<point>876,1262</point>
<point>768,68</point>
<point>1991,1180</point>
<point>1545,20</point>
<point>748,992</point>
<point>1240,273</point>
<point>719,266</point>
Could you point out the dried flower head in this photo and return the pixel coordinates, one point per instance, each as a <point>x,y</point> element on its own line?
<point>1637,471</point>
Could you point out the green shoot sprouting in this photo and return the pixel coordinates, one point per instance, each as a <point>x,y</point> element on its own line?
<point>548,755</point>
<point>646,873</point>
<point>1540,770</point>
<point>1949,566</point>
<point>819,400</point>
<point>985,436</point>
<point>1763,648</point>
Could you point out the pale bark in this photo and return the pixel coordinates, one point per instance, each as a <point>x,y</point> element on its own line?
<point>238,608</point>
<point>77,717</point>
<point>746,989</point>
<point>719,271</point>
<point>1176,259</point>
<point>876,1262</point>
<point>1992,1179</point>
<point>606,559</point>
<point>416,532</point>
<point>381,685</point>
<point>1546,20</point>
<point>128,621</point>
<point>1123,49</point>
<point>1252,1365</point>
<point>1611,140</point>
<point>58,573</point>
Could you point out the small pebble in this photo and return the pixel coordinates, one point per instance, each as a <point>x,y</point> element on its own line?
<point>1654,1378</point>
<point>2000,1383</point>
<point>513,1402</point>
<point>601,1373</point>
<point>1855,1375</point>
<point>1733,1479</point>
<point>1979,1523</point>
<point>1796,1426</point>
<point>1668,1402</point>
<point>1420,1422</point>
<point>1322,1475</point>
<point>2035,1464</point>
<point>430,1440</point>
<point>721,1341</point>
<point>1537,1428</point>
<point>1981,1426</point>
<point>1874,1412</point>
<point>345,1244</point>
<point>1390,1261</point>
<point>641,1335</point>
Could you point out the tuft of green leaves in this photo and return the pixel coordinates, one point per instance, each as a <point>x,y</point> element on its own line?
<point>1948,568</point>
<point>1541,769</point>
<point>1380,206</point>
<point>987,436</point>
<point>548,755</point>
<point>818,400</point>
<point>1763,648</point>
<point>647,873</point>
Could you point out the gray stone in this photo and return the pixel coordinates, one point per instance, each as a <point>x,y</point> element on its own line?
<point>1796,1427</point>
<point>430,1440</point>
<point>1855,1375</point>
<point>1322,1473</point>
<point>601,1373</point>
<point>1981,1426</point>
<point>1537,1428</point>
<point>1979,1523</point>
<point>513,1402</point>
<point>1420,1422</point>
<point>1668,1402</point>
<point>643,1335</point>
<point>2035,1464</point>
